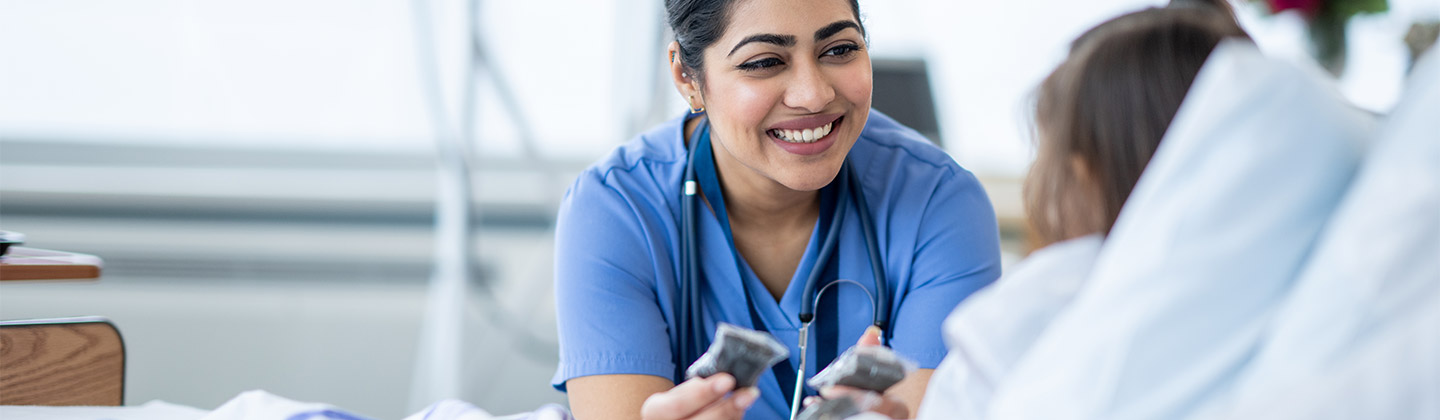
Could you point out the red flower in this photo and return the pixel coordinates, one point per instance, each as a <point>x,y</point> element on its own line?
<point>1306,7</point>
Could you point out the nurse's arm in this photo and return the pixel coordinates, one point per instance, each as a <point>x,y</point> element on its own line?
<point>606,397</point>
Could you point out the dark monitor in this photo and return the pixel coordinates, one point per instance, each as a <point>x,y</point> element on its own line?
<point>902,91</point>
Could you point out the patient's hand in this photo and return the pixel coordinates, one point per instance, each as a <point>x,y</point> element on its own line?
<point>700,398</point>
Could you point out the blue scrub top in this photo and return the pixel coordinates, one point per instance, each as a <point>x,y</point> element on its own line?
<point>617,259</point>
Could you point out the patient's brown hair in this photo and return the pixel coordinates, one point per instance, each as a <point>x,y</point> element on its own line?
<point>1101,114</point>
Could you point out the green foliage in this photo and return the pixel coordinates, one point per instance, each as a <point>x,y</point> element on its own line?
<point>1344,9</point>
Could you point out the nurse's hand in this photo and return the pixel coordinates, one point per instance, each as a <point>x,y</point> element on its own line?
<point>889,403</point>
<point>883,404</point>
<point>701,399</point>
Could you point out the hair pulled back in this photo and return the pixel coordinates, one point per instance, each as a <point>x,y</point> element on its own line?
<point>698,24</point>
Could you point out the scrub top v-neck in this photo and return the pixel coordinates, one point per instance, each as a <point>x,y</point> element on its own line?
<point>758,300</point>
<point>617,259</point>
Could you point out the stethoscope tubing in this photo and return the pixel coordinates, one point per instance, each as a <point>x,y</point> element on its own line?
<point>877,266</point>
<point>689,323</point>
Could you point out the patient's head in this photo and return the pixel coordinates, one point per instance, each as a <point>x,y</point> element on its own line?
<point>1221,6</point>
<point>1100,115</point>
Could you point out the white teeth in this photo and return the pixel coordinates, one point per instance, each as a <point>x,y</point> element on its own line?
<point>808,135</point>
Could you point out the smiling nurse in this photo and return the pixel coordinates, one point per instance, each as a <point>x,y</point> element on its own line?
<point>780,177</point>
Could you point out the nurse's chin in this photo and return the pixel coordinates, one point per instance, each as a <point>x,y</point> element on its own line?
<point>808,179</point>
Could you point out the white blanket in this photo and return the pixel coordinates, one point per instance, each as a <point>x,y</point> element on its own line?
<point>1360,335</point>
<point>261,405</point>
<point>992,330</point>
<point>153,410</point>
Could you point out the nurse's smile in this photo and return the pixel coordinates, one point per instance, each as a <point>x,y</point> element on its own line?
<point>806,136</point>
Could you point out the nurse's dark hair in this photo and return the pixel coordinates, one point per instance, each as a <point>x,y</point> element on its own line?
<point>1101,114</point>
<point>698,24</point>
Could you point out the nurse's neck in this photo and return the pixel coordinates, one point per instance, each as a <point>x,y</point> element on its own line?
<point>757,201</point>
<point>770,223</point>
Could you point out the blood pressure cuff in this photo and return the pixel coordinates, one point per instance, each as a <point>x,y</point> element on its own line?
<point>872,368</point>
<point>741,352</point>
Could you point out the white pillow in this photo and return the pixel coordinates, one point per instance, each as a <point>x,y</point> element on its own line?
<point>1212,236</point>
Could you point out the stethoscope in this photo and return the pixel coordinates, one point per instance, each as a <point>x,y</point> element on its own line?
<point>689,322</point>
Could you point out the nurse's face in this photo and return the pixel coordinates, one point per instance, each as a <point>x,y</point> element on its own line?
<point>787,90</point>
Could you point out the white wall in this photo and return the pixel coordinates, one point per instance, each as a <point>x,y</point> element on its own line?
<point>336,74</point>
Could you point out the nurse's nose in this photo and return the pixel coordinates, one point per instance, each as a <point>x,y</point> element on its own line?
<point>810,90</point>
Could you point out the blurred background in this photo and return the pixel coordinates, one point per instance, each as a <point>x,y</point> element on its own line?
<point>262,177</point>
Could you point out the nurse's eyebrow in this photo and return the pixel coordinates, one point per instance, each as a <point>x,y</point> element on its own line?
<point>835,28</point>
<point>781,40</point>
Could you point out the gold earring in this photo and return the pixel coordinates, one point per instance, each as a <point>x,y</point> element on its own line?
<point>694,110</point>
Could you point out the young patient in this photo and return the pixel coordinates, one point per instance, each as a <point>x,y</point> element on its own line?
<point>1099,117</point>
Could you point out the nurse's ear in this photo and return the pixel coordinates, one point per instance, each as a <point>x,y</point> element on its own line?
<point>687,84</point>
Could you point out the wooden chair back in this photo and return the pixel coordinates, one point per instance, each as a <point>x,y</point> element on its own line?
<point>67,361</point>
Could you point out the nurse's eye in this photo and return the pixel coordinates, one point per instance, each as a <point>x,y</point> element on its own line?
<point>842,51</point>
<point>760,64</point>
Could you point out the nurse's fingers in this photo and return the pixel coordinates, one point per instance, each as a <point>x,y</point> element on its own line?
<point>691,398</point>
<point>871,337</point>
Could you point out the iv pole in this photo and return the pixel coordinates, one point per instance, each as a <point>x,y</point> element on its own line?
<point>438,361</point>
